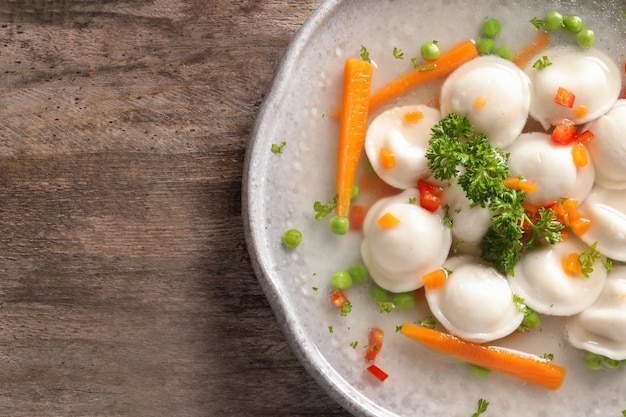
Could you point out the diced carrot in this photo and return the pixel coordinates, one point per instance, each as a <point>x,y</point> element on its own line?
<point>413,117</point>
<point>529,208</point>
<point>571,264</point>
<point>539,44</point>
<point>580,111</point>
<point>480,102</point>
<point>374,343</point>
<point>387,221</point>
<point>564,97</point>
<point>516,183</point>
<point>357,216</point>
<point>387,159</point>
<point>352,128</point>
<point>442,66</point>
<point>579,154</point>
<point>435,279</point>
<point>527,367</point>
<point>377,372</point>
<point>585,136</point>
<point>580,225</point>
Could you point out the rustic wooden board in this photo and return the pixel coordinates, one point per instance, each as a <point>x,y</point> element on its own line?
<point>126,286</point>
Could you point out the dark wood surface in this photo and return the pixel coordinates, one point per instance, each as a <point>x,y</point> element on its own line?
<point>126,287</point>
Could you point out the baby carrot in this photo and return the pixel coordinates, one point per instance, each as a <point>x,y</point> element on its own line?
<point>357,82</point>
<point>527,367</point>
<point>522,57</point>
<point>444,65</point>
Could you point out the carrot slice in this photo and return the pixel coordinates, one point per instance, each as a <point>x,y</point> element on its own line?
<point>413,117</point>
<point>580,225</point>
<point>571,264</point>
<point>480,102</point>
<point>435,279</point>
<point>442,66</point>
<point>352,128</point>
<point>532,49</point>
<point>580,111</point>
<point>527,367</point>
<point>579,155</point>
<point>387,159</point>
<point>520,184</point>
<point>387,221</point>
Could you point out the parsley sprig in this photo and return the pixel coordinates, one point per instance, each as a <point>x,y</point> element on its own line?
<point>324,209</point>
<point>456,151</point>
<point>481,407</point>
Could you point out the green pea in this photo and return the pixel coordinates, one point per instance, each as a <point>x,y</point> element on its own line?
<point>612,363</point>
<point>531,320</point>
<point>356,192</point>
<point>553,21</point>
<point>585,38</point>
<point>491,28</point>
<point>292,238</point>
<point>430,51</point>
<point>593,361</point>
<point>404,300</point>
<point>573,23</point>
<point>339,225</point>
<point>504,52</point>
<point>341,280</point>
<point>358,272</point>
<point>479,371</point>
<point>485,46</point>
<point>378,293</point>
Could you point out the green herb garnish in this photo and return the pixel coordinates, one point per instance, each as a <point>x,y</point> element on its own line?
<point>278,149</point>
<point>538,23</point>
<point>542,63</point>
<point>346,308</point>
<point>482,407</point>
<point>323,210</point>
<point>428,322</point>
<point>365,55</point>
<point>397,53</point>
<point>588,258</point>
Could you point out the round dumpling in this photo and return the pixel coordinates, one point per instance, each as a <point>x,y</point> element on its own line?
<point>607,211</point>
<point>403,132</point>
<point>539,279</point>
<point>601,328</point>
<point>608,148</point>
<point>493,93</point>
<point>590,75</point>
<point>476,302</point>
<point>397,257</point>
<point>537,158</point>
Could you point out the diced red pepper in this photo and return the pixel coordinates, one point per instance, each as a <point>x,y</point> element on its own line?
<point>374,343</point>
<point>338,298</point>
<point>430,195</point>
<point>564,97</point>
<point>564,133</point>
<point>357,216</point>
<point>584,137</point>
<point>377,372</point>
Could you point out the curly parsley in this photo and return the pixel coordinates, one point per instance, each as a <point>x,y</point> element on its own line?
<point>456,151</point>
<point>278,148</point>
<point>588,258</point>
<point>323,210</point>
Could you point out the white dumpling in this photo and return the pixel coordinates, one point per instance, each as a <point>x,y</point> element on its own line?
<point>398,257</point>
<point>407,141</point>
<point>470,224</point>
<point>589,74</point>
<point>608,148</point>
<point>493,93</point>
<point>539,278</point>
<point>601,328</point>
<point>476,302</point>
<point>537,158</point>
<point>606,209</point>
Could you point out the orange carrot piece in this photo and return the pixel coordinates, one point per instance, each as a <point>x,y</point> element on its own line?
<point>538,45</point>
<point>519,184</point>
<point>387,158</point>
<point>442,66</point>
<point>413,117</point>
<point>352,128</point>
<point>571,264</point>
<point>435,279</point>
<point>527,367</point>
<point>580,225</point>
<point>580,111</point>
<point>579,154</point>
<point>387,221</point>
<point>480,102</point>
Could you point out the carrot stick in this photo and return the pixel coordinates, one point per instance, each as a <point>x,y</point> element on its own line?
<point>527,367</point>
<point>444,65</point>
<point>538,45</point>
<point>357,82</point>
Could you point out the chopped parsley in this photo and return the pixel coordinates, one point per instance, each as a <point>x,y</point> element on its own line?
<point>397,53</point>
<point>531,318</point>
<point>447,219</point>
<point>542,63</point>
<point>587,259</point>
<point>428,322</point>
<point>608,264</point>
<point>538,23</point>
<point>398,328</point>
<point>428,68</point>
<point>455,147</point>
<point>548,356</point>
<point>346,308</point>
<point>412,200</point>
<point>315,288</point>
<point>481,408</point>
<point>323,210</point>
<point>624,411</point>
<point>385,306</point>
<point>365,55</point>
<point>354,344</point>
<point>330,329</point>
<point>278,149</point>
<point>416,65</point>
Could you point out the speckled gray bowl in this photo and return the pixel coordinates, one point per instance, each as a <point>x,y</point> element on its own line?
<point>279,191</point>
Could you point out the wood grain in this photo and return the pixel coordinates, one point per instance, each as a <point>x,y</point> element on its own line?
<point>126,286</point>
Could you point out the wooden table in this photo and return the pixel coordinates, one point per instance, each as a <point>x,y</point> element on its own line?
<point>126,285</point>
